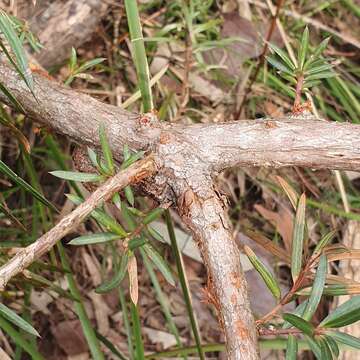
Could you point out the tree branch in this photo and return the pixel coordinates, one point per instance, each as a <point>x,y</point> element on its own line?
<point>206,216</point>
<point>307,142</point>
<point>26,256</point>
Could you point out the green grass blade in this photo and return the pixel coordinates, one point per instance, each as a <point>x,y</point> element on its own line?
<point>19,339</point>
<point>87,328</point>
<point>17,320</point>
<point>24,185</point>
<point>161,298</point>
<point>7,28</point>
<point>139,54</point>
<point>184,284</point>
<point>139,346</point>
<point>291,348</point>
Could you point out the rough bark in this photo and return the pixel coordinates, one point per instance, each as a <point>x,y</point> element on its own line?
<point>133,174</point>
<point>204,213</point>
<point>62,25</point>
<point>307,142</point>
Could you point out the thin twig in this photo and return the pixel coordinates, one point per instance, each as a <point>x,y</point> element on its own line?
<point>26,256</point>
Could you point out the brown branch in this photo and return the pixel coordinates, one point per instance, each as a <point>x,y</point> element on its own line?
<point>296,141</point>
<point>26,256</point>
<point>205,214</point>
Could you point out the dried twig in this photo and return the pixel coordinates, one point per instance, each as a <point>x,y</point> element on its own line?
<point>25,257</point>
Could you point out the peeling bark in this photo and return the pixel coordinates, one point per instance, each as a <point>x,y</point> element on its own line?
<point>206,216</point>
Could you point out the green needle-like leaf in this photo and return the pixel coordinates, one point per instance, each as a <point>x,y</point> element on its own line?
<point>303,325</point>
<point>105,146</point>
<point>346,339</point>
<point>266,275</point>
<point>17,320</point>
<point>94,239</point>
<point>298,238</point>
<point>160,263</point>
<point>7,29</point>
<point>317,289</point>
<point>304,45</point>
<point>345,314</point>
<point>291,348</point>
<point>77,176</point>
<point>24,185</point>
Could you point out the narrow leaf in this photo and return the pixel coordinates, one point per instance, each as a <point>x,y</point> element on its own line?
<point>24,185</point>
<point>109,222</point>
<point>317,289</point>
<point>344,338</point>
<point>105,146</point>
<point>323,242</point>
<point>133,279</point>
<point>325,349</point>
<point>298,238</point>
<point>266,275</point>
<point>160,263</point>
<point>332,345</point>
<point>77,176</point>
<point>94,239</point>
<point>314,346</point>
<point>291,348</point>
<point>129,195</point>
<point>117,279</point>
<point>93,157</point>
<point>303,325</point>
<point>153,215</point>
<point>282,55</point>
<point>304,45</point>
<point>289,191</point>
<point>17,320</point>
<point>345,314</point>
<point>320,75</point>
<point>278,65</point>
<point>298,311</point>
<point>7,28</point>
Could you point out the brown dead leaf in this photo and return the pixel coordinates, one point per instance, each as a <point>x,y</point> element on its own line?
<point>69,336</point>
<point>133,279</point>
<point>102,312</point>
<point>282,220</point>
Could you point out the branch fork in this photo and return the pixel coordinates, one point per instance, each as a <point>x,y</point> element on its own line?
<point>184,162</point>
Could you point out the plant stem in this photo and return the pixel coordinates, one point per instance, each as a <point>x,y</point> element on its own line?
<point>184,284</point>
<point>139,54</point>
